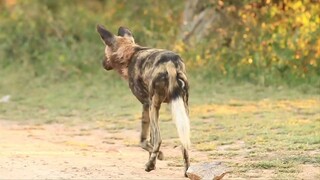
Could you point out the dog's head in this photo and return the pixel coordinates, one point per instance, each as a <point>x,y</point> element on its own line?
<point>119,49</point>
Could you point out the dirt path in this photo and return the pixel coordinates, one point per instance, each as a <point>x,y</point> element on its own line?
<point>55,151</point>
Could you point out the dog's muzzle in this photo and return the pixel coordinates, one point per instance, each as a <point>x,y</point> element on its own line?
<point>106,65</point>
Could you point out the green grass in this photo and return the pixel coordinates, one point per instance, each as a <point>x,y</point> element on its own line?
<point>274,130</point>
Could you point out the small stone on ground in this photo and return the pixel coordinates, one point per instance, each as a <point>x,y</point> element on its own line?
<point>211,170</point>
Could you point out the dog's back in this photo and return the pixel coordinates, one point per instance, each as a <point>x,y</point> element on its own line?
<point>154,67</point>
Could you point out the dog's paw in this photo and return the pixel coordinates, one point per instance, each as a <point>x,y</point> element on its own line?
<point>160,155</point>
<point>150,166</point>
<point>185,174</point>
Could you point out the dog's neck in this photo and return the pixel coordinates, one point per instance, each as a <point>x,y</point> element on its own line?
<point>122,58</point>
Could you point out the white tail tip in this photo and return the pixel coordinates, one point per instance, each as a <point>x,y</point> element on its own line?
<point>182,121</point>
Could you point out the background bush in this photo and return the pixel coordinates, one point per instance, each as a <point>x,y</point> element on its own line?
<point>274,43</point>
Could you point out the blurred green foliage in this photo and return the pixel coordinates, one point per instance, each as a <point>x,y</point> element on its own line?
<point>265,45</point>
<point>57,39</point>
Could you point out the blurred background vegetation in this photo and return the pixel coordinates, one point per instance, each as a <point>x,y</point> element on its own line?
<point>51,54</point>
<point>264,42</point>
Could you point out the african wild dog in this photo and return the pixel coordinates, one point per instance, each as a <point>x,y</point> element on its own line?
<point>154,76</point>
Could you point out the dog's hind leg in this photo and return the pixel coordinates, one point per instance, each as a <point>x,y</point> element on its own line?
<point>155,131</point>
<point>145,123</point>
<point>186,160</point>
<point>185,153</point>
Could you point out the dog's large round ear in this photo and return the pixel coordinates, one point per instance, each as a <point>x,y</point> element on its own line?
<point>107,37</point>
<point>125,32</point>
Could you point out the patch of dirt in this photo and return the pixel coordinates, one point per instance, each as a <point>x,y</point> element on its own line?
<point>309,171</point>
<point>55,151</point>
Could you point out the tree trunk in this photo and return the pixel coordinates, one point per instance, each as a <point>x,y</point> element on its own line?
<point>198,18</point>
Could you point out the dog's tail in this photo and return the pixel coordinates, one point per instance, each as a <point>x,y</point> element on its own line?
<point>177,82</point>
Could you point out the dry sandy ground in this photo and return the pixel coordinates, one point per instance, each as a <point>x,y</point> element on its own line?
<point>55,151</point>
